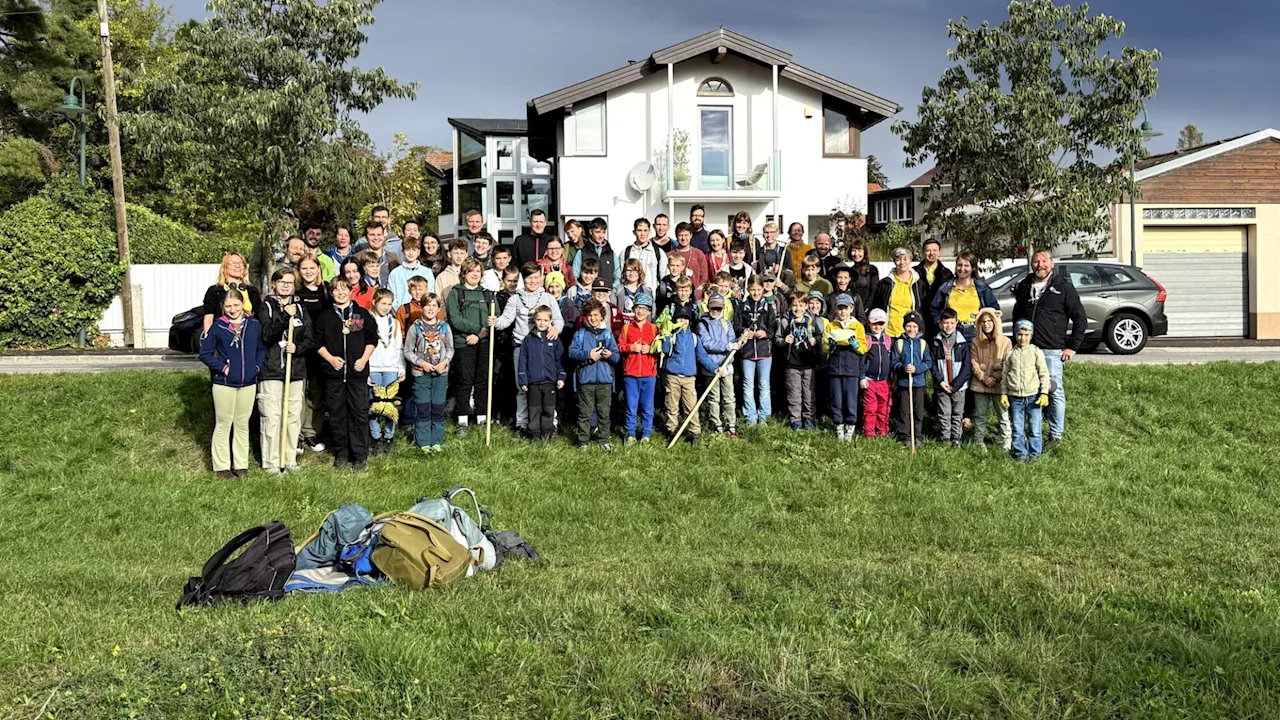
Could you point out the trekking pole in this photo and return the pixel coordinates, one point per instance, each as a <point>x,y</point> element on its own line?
<point>911,410</point>
<point>288,371</point>
<point>696,406</point>
<point>488,398</point>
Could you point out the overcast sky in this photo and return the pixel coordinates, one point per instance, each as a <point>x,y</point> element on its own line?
<point>489,58</point>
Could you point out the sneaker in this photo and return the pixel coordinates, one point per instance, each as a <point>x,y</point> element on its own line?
<point>388,446</point>
<point>241,473</point>
<point>226,475</point>
<point>1052,444</point>
<point>795,427</point>
<point>341,462</point>
<point>644,440</point>
<point>461,430</point>
<point>956,444</point>
<point>692,439</point>
<point>359,465</point>
<point>808,425</point>
<point>313,444</point>
<point>437,449</point>
<point>290,469</point>
<point>427,449</point>
<point>629,441</point>
<point>732,434</point>
<point>583,446</point>
<point>605,446</point>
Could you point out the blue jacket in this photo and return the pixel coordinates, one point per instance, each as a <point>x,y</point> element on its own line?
<point>878,362</point>
<point>910,351</point>
<point>243,356</point>
<point>986,299</point>
<point>593,372</point>
<point>961,366</point>
<point>717,342</point>
<point>541,360</point>
<point>681,349</point>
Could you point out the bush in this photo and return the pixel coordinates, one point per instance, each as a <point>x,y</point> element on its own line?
<point>60,268</point>
<point>157,240</point>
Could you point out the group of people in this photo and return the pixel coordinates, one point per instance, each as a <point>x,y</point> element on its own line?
<point>408,330</point>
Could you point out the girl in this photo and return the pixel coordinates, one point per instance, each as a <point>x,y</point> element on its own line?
<point>639,369</point>
<point>346,339</point>
<point>624,296</point>
<point>386,371</point>
<point>313,296</point>
<point>554,261</point>
<point>432,255</point>
<point>990,348</point>
<point>865,275</point>
<point>742,231</point>
<point>233,275</point>
<point>718,255</point>
<point>966,294</point>
<point>361,291</point>
<point>279,311</point>
<point>759,321</point>
<point>233,350</point>
<point>573,242</point>
<point>429,350</point>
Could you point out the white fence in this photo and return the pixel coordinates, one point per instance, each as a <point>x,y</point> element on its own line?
<point>166,291</point>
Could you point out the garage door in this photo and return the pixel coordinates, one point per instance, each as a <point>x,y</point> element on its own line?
<point>1206,271</point>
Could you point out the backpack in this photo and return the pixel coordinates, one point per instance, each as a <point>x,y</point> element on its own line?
<point>461,526</point>
<point>258,572</point>
<point>419,552</point>
<point>339,529</point>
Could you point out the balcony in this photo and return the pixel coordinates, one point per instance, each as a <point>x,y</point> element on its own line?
<point>717,178</point>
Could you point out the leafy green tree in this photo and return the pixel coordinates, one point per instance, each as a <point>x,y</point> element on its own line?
<point>1016,124</point>
<point>408,190</point>
<point>1190,137</point>
<point>875,173</point>
<point>24,166</point>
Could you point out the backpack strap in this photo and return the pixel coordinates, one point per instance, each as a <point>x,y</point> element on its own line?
<point>220,558</point>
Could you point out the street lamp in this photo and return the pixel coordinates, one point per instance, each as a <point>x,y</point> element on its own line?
<point>1148,132</point>
<point>75,109</point>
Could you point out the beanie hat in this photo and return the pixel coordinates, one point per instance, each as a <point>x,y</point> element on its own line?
<point>1023,325</point>
<point>555,278</point>
<point>913,317</point>
<point>644,299</point>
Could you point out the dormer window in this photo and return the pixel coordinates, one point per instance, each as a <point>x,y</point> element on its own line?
<point>715,87</point>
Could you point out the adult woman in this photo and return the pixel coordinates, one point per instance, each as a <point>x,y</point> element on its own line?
<point>361,291</point>
<point>233,275</point>
<point>341,249</point>
<point>865,275</point>
<point>554,261</point>
<point>433,256</point>
<point>796,244</point>
<point>742,231</point>
<point>966,294</point>
<point>901,292</point>
<point>573,240</point>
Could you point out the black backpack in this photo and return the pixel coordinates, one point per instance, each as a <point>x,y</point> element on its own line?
<point>258,572</point>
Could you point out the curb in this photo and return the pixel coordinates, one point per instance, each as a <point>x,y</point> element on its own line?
<point>95,359</point>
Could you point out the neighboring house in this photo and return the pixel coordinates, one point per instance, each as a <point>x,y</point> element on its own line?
<point>905,205</point>
<point>764,135</point>
<point>1208,229</point>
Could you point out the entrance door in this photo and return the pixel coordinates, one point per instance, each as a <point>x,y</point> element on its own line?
<point>715,148</point>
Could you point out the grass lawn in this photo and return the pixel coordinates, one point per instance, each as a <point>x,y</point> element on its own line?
<point>1131,574</point>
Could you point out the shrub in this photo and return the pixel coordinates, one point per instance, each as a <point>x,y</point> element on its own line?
<point>157,240</point>
<point>60,268</point>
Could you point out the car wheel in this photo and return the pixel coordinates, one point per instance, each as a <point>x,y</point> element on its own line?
<point>1126,334</point>
<point>1090,346</point>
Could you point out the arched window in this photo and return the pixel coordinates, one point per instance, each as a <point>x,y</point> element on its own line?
<point>715,87</point>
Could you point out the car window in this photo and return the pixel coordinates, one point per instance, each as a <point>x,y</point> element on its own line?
<point>1117,274</point>
<point>1084,277</point>
<point>1005,277</point>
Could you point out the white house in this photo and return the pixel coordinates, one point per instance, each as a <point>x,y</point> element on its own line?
<point>764,135</point>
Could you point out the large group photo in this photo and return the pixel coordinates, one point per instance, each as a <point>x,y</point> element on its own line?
<point>370,358</point>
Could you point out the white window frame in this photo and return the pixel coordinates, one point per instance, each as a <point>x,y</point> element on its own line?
<point>900,209</point>
<point>882,212</point>
<point>571,128</point>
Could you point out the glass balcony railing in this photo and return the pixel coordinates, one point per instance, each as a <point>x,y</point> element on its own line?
<point>719,173</point>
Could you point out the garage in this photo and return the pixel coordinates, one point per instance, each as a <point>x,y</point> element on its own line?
<point>1205,271</point>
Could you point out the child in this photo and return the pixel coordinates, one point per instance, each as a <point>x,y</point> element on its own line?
<point>504,370</point>
<point>429,351</point>
<point>718,255</point>
<point>639,368</point>
<point>580,293</point>
<point>725,288</point>
<point>452,274</point>
<point>361,290</point>
<point>596,353</point>
<point>845,343</point>
<point>666,290</point>
<point>717,337</point>
<point>602,292</point>
<point>683,300</point>
<point>797,337</point>
<point>398,282</point>
<point>481,251</point>
<point>739,270</point>
<point>679,344</point>
<point>759,322</point>
<point>492,279</point>
<point>1025,392</point>
<point>373,276</point>
<point>275,314</point>
<point>910,360</point>
<point>843,278</point>
<point>554,283</point>
<point>624,296</point>
<point>809,280</point>
<point>313,296</point>
<point>555,262</point>
<point>876,369</point>
<point>952,367</point>
<point>771,292</point>
<point>541,374</point>
<point>347,336</point>
<point>233,350</point>
<point>990,347</point>
<point>469,310</point>
<point>518,316</point>
<point>408,313</point>
<point>386,372</point>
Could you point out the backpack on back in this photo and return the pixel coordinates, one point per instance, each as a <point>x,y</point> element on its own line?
<point>259,572</point>
<point>419,552</point>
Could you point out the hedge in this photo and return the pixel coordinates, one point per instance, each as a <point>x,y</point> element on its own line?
<point>157,240</point>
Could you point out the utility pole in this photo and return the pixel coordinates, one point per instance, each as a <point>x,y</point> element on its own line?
<point>117,173</point>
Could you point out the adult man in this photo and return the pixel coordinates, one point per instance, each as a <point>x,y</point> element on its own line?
<point>1050,301</point>
<point>341,249</point>
<point>697,224</point>
<point>391,243</point>
<point>375,234</point>
<point>475,223</point>
<point>531,246</point>
<point>661,224</point>
<point>311,235</point>
<point>294,250</point>
<point>598,249</point>
<point>311,239</point>
<point>796,245</point>
<point>695,259</point>
<point>828,259</point>
<point>652,258</point>
<point>934,274</point>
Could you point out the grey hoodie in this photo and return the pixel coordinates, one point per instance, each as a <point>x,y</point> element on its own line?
<point>519,313</point>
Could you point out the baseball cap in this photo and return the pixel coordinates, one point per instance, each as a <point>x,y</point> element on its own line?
<point>878,316</point>
<point>843,300</point>
<point>684,312</point>
<point>600,285</point>
<point>816,294</point>
<point>716,302</point>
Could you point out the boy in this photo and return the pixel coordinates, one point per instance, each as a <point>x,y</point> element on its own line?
<point>910,360</point>
<point>429,350</point>
<point>809,280</point>
<point>683,299</point>
<point>348,337</point>
<point>952,368</point>
<point>481,252</point>
<point>1025,391</point>
<point>596,353</point>
<point>554,283</point>
<point>541,374</point>
<point>696,259</point>
<point>580,293</point>
<point>492,280</point>
<point>639,368</point>
<point>725,288</point>
<point>797,337</point>
<point>452,274</point>
<point>759,323</point>
<point>386,372</point>
<point>739,270</point>
<point>845,343</point>
<point>468,309</point>
<point>398,281</point>
<point>408,313</point>
<point>601,291</point>
<point>373,271</point>
<point>842,276</point>
<point>504,371</point>
<point>876,369</point>
<point>518,316</point>
<point>680,345</point>
<point>718,341</point>
<point>666,291</point>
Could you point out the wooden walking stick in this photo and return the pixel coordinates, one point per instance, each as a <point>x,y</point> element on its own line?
<point>288,371</point>
<point>488,398</point>
<point>715,377</point>
<point>911,410</point>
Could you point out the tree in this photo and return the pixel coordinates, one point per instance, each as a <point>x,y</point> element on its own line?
<point>875,173</point>
<point>1190,137</point>
<point>1015,125</point>
<point>407,190</point>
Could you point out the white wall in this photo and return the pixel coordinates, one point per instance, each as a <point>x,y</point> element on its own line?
<point>166,291</point>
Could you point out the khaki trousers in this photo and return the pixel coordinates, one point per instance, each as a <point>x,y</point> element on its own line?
<point>231,410</point>
<point>270,412</point>
<point>681,395</point>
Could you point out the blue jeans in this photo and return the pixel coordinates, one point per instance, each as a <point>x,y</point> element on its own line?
<point>844,399</point>
<point>639,400</point>
<point>429,395</point>
<point>757,373</point>
<point>1025,409</point>
<point>376,424</point>
<point>1058,399</point>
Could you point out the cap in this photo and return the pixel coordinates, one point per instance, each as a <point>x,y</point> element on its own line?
<point>555,278</point>
<point>716,302</point>
<point>843,300</point>
<point>1023,325</point>
<point>684,312</point>
<point>900,252</point>
<point>878,316</point>
<point>768,277</point>
<point>913,317</point>
<point>644,299</point>
<point>816,295</point>
<point>599,285</point>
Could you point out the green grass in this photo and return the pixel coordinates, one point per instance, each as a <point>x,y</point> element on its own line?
<point>1131,574</point>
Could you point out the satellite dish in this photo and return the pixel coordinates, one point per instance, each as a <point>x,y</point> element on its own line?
<point>643,176</point>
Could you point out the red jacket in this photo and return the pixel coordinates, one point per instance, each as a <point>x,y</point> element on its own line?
<point>615,319</point>
<point>638,364</point>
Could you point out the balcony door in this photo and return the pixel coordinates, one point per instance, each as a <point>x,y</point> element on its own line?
<point>715,148</point>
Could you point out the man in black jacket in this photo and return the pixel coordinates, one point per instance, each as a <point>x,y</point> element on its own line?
<point>934,274</point>
<point>1050,301</point>
<point>531,246</point>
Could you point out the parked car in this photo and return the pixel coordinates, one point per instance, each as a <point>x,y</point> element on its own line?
<point>1125,306</point>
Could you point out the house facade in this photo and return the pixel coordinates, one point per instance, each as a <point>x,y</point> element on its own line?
<point>719,120</point>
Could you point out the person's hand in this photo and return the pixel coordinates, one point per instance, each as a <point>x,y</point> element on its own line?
<point>1042,400</point>
<point>473,339</point>
<point>760,334</point>
<point>401,378</point>
<point>864,384</point>
<point>226,369</point>
<point>369,382</point>
<point>791,339</point>
<point>443,367</point>
<point>596,354</point>
<point>360,364</point>
<point>524,388</point>
<point>336,362</point>
<point>292,309</point>
<point>1004,401</point>
<point>946,386</point>
<point>606,353</point>
<point>722,370</point>
<point>425,367</point>
<point>559,384</point>
<point>493,321</point>
<point>911,369</point>
<point>290,348</point>
<point>552,333</point>
<point>813,341</point>
<point>1068,354</point>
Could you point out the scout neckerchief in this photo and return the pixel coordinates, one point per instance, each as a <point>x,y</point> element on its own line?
<point>391,330</point>
<point>237,329</point>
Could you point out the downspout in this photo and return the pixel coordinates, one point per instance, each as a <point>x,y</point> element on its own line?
<point>671,158</point>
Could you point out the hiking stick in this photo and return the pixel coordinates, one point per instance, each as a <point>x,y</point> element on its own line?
<point>911,410</point>
<point>288,372</point>
<point>488,398</point>
<point>696,406</point>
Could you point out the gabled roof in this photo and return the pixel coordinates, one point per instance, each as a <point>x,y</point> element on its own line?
<point>876,108</point>
<point>491,126</point>
<point>1159,164</point>
<point>924,180</point>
